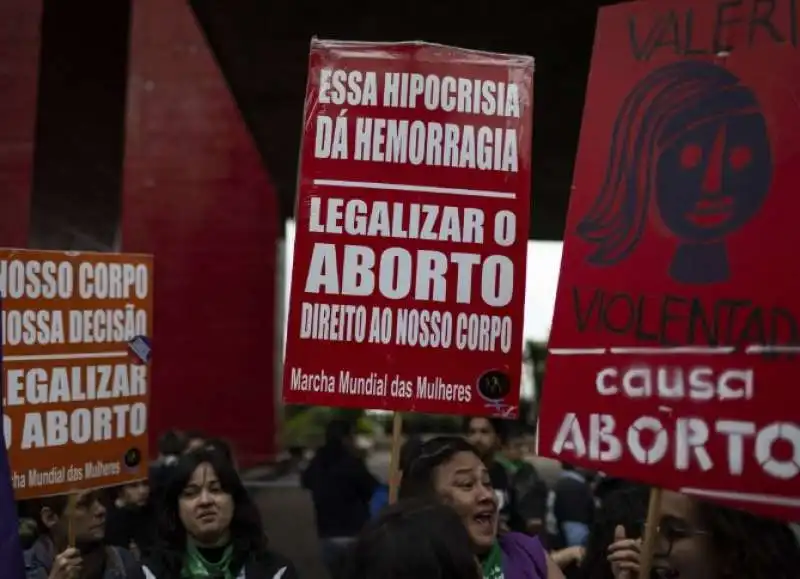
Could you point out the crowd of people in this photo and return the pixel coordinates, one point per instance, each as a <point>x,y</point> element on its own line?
<point>473,507</point>
<point>469,507</point>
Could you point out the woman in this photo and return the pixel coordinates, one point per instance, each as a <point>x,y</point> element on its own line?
<point>414,539</point>
<point>209,526</point>
<point>449,469</point>
<point>130,519</point>
<point>700,540</point>
<point>52,557</point>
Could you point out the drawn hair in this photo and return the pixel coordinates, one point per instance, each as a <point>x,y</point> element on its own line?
<point>663,105</point>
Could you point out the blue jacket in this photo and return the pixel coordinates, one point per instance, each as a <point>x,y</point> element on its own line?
<point>120,563</point>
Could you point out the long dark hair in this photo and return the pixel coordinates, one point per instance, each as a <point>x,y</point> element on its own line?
<point>418,473</point>
<point>413,539</point>
<point>663,103</point>
<point>247,533</point>
<point>748,546</point>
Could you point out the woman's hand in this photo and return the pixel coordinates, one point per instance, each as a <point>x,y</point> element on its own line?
<point>66,565</point>
<point>566,557</point>
<point>623,554</point>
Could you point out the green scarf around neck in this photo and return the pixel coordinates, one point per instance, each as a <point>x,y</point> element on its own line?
<point>492,564</point>
<point>512,466</point>
<point>195,566</point>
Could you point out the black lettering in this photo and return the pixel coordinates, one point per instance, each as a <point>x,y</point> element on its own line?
<point>641,332</point>
<point>645,49</point>
<point>669,33</point>
<point>688,49</point>
<point>708,325</point>
<point>584,316</point>
<point>761,17</point>
<point>669,317</point>
<point>733,307</point>
<point>754,330</point>
<point>628,317</point>
<point>784,330</point>
<point>722,23</point>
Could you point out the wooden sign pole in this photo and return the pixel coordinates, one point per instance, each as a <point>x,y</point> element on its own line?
<point>394,461</point>
<point>650,533</point>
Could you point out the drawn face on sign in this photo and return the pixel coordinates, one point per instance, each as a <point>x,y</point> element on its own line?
<point>713,176</point>
<point>691,139</point>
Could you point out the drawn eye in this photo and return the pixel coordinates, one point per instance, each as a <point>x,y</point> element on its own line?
<point>740,157</point>
<point>691,155</point>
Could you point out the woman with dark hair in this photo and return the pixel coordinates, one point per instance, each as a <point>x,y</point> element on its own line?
<point>449,469</point>
<point>701,540</point>
<point>51,556</point>
<point>413,539</point>
<point>210,527</point>
<point>622,503</point>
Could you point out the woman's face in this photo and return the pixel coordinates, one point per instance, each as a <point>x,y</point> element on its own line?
<point>682,547</point>
<point>463,483</point>
<point>135,494</point>
<point>205,508</point>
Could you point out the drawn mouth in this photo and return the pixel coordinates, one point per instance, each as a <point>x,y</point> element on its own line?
<point>711,212</point>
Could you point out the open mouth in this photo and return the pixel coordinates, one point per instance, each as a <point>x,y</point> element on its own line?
<point>485,520</point>
<point>711,212</point>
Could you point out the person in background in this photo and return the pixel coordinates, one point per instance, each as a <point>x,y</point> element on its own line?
<point>341,488</point>
<point>571,507</point>
<point>171,446</point>
<point>380,498</point>
<point>51,557</point>
<point>223,447</point>
<point>195,440</point>
<point>209,526</point>
<point>700,540</point>
<point>624,503</point>
<point>486,435</point>
<point>413,539</point>
<point>527,488</point>
<point>449,469</point>
<point>130,521</point>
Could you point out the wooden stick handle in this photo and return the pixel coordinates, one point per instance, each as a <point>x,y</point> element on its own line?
<point>650,533</point>
<point>72,502</point>
<point>394,462</point>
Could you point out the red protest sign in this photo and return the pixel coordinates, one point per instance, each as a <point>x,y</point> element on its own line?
<point>676,333</point>
<point>412,219</point>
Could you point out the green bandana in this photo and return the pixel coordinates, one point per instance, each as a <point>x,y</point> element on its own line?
<point>492,565</point>
<point>195,566</point>
<point>512,466</point>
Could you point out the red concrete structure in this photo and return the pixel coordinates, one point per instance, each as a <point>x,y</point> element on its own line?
<point>190,189</point>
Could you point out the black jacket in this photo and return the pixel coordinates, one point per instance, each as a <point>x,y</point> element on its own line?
<point>341,489</point>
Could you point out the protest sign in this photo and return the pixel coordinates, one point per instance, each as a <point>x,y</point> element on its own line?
<point>412,221</point>
<point>675,338</point>
<point>75,337</point>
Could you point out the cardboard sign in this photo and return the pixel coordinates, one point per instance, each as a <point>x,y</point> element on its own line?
<point>412,225</point>
<point>673,352</point>
<point>76,345</point>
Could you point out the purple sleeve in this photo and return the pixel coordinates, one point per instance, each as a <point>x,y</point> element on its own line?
<point>524,557</point>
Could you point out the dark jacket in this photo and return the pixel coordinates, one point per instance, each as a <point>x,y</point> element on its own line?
<point>341,489</point>
<point>126,525</point>
<point>120,563</point>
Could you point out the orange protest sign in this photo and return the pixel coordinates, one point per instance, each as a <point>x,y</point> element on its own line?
<point>76,331</point>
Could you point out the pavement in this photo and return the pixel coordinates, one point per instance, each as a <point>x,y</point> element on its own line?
<point>288,514</point>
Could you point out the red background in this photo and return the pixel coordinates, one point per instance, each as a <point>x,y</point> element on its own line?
<point>195,194</point>
<point>762,257</point>
<point>454,366</point>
